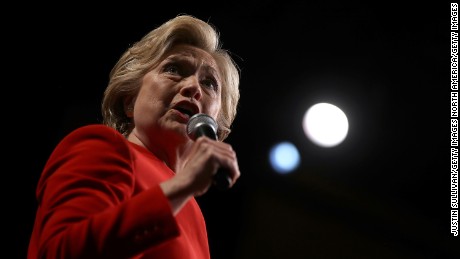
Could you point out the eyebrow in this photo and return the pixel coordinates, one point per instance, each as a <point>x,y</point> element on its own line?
<point>189,57</point>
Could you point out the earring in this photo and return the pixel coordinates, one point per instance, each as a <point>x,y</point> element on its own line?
<point>129,111</point>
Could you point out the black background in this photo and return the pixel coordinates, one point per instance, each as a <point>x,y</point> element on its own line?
<point>383,193</point>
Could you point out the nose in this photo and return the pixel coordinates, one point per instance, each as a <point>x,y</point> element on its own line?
<point>191,88</point>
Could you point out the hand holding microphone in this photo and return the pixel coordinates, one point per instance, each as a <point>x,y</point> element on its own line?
<point>199,125</point>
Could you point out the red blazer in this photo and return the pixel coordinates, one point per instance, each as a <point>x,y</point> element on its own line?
<point>99,197</point>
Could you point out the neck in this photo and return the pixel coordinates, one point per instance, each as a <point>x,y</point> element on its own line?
<point>171,152</point>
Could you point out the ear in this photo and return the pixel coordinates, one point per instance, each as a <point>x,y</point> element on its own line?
<point>128,105</point>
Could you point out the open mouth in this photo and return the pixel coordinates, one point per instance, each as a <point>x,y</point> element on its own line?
<point>187,108</point>
<point>189,113</point>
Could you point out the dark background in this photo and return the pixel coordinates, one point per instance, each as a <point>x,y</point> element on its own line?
<point>383,193</point>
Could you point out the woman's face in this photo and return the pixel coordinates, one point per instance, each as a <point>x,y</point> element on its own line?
<point>186,81</point>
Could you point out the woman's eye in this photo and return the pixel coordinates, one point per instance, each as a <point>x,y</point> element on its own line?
<point>172,69</point>
<point>210,83</point>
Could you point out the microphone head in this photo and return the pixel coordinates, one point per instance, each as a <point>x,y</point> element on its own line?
<point>202,124</point>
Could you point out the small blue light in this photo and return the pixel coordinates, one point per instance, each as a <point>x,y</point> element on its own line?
<point>284,157</point>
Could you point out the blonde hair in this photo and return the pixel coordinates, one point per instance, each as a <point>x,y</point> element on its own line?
<point>126,76</point>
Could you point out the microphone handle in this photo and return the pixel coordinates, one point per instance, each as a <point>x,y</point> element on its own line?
<point>221,179</point>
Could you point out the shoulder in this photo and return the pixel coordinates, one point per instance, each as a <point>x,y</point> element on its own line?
<point>88,152</point>
<point>94,132</point>
<point>94,137</point>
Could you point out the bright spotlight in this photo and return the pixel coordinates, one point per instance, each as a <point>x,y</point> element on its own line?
<point>284,157</point>
<point>325,124</point>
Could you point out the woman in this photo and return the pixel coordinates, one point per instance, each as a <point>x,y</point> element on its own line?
<point>126,189</point>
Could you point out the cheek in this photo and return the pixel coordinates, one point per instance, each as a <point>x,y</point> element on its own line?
<point>147,102</point>
<point>150,103</point>
<point>154,91</point>
<point>214,108</point>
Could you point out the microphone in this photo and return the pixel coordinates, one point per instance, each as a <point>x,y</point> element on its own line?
<point>199,125</point>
